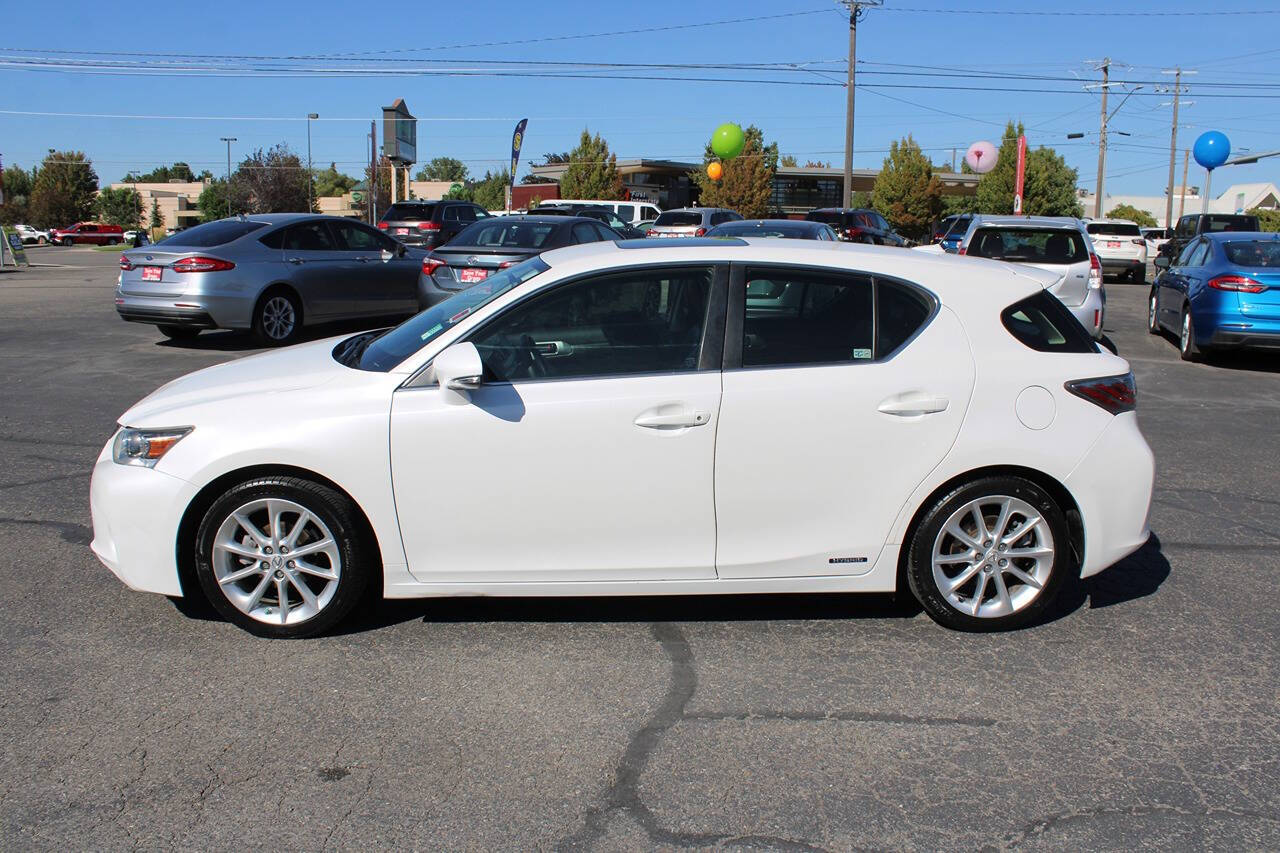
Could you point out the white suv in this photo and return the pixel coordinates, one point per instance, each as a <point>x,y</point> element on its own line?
<point>1120,247</point>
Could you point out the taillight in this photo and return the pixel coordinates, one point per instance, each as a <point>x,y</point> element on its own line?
<point>201,264</point>
<point>1138,241</point>
<point>382,225</point>
<point>700,232</point>
<point>1116,394</point>
<point>1095,271</point>
<point>430,264</point>
<point>125,263</point>
<point>505,264</point>
<point>962,251</point>
<point>1238,283</point>
<point>427,226</point>
<point>853,232</point>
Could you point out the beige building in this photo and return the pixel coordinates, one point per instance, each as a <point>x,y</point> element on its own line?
<point>176,200</point>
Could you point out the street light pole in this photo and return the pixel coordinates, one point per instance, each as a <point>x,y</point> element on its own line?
<point>1102,142</point>
<point>857,8</point>
<point>228,140</point>
<point>310,173</point>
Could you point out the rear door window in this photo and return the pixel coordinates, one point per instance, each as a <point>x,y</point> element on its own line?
<point>1029,245</point>
<point>797,317</point>
<point>361,238</point>
<point>1198,257</point>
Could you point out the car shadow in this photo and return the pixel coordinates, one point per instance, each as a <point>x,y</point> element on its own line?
<point>227,340</point>
<point>1256,362</point>
<point>1137,576</point>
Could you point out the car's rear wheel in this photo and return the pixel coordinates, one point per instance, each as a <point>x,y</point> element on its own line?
<point>282,556</point>
<point>113,241</point>
<point>40,241</point>
<point>1138,275</point>
<point>1153,316</point>
<point>67,241</point>
<point>178,333</point>
<point>1187,338</point>
<point>989,555</point>
<point>277,320</point>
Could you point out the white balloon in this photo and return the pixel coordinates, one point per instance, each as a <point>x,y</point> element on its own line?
<point>981,157</point>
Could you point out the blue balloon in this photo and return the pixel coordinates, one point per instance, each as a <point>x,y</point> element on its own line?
<point>1212,149</point>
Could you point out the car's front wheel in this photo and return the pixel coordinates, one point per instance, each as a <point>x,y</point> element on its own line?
<point>1187,338</point>
<point>989,555</point>
<point>282,556</point>
<point>1153,316</point>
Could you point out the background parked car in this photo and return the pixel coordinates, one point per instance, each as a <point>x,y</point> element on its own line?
<point>497,243</point>
<point>272,273</point>
<point>601,214</point>
<point>1120,247</point>
<point>631,212</point>
<point>953,229</point>
<point>793,229</point>
<point>1223,291</point>
<point>31,236</point>
<point>646,225</point>
<point>858,225</point>
<point>91,233</point>
<point>1193,225</point>
<point>429,223</point>
<point>1057,245</point>
<point>691,221</point>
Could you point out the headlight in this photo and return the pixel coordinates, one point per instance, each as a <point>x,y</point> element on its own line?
<point>145,446</point>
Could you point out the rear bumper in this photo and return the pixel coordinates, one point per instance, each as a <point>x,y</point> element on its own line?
<point>193,312</point>
<point>189,318</point>
<point>1122,265</point>
<point>1267,339</point>
<point>1112,485</point>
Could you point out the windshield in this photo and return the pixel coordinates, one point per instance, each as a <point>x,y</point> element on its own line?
<point>1029,245</point>
<point>1253,253</point>
<point>679,218</point>
<point>395,345</point>
<point>1121,229</point>
<point>406,212</point>
<point>958,227</point>
<point>214,233</point>
<point>501,232</point>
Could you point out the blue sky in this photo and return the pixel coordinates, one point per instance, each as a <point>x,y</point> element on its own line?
<point>472,118</point>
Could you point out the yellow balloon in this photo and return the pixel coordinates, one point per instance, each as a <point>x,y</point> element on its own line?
<point>714,171</point>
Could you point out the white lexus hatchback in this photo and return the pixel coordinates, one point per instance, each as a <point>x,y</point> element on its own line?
<point>652,417</point>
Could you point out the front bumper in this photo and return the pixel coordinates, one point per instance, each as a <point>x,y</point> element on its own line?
<point>1112,486</point>
<point>136,512</point>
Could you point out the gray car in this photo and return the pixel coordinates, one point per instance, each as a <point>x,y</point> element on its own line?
<point>691,221</point>
<point>270,273</point>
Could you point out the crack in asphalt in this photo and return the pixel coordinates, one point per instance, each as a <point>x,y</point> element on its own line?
<point>76,534</point>
<point>1044,825</point>
<point>623,794</point>
<point>842,716</point>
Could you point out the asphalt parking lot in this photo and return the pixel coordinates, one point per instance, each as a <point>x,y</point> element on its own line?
<point>1141,715</point>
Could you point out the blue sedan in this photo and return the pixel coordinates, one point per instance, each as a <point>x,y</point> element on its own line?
<point>1221,292</point>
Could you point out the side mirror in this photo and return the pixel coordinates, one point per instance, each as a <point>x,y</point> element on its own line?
<point>459,370</point>
<point>1162,261</point>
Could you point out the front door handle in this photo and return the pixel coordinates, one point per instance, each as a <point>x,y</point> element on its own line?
<point>908,405</point>
<point>659,419</point>
<point>295,260</point>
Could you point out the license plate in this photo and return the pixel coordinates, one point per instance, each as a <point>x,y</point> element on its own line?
<point>401,231</point>
<point>472,274</point>
<point>1113,244</point>
<point>152,273</point>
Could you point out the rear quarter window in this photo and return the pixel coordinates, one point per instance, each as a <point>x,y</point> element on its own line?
<point>1044,324</point>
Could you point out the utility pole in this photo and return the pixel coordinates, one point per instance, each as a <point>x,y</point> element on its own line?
<point>1186,161</point>
<point>857,8</point>
<point>1173,147</point>
<point>228,140</point>
<point>310,173</point>
<point>1102,140</point>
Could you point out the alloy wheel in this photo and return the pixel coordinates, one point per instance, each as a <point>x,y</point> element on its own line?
<point>278,318</point>
<point>276,561</point>
<point>993,556</point>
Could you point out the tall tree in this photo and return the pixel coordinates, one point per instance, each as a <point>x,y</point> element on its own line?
<point>1049,186</point>
<point>746,181</point>
<point>1128,211</point>
<point>271,181</point>
<point>212,202</point>
<point>121,207</point>
<point>907,191</point>
<point>63,190</point>
<point>442,169</point>
<point>157,221</point>
<point>491,191</point>
<point>162,175</point>
<point>789,161</point>
<point>1268,219</point>
<point>331,182</point>
<point>592,171</point>
<point>17,195</point>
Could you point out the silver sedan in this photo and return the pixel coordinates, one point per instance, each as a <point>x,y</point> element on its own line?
<point>271,273</point>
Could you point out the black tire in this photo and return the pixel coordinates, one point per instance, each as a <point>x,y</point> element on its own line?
<point>112,241</point>
<point>335,511</point>
<point>1153,316</point>
<point>1138,275</point>
<point>1187,348</point>
<point>40,241</point>
<point>67,241</point>
<point>920,573</point>
<point>179,333</point>
<point>267,312</point>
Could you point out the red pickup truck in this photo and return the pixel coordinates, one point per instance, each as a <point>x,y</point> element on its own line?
<point>88,232</point>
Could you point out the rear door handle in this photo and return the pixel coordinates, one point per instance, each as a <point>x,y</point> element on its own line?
<point>908,405</point>
<point>295,260</point>
<point>671,420</point>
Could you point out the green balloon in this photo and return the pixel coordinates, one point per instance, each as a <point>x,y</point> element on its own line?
<point>728,140</point>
